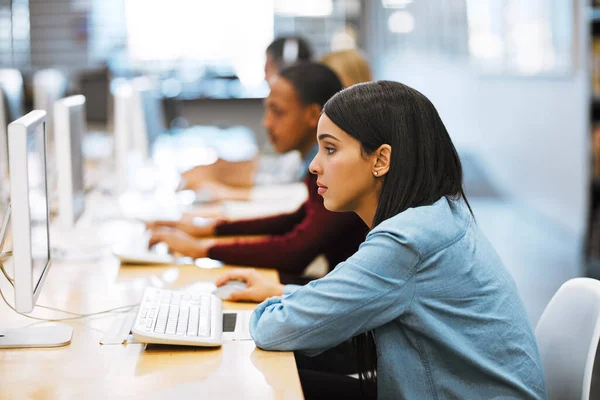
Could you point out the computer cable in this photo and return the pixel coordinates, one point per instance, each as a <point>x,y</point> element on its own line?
<point>121,309</point>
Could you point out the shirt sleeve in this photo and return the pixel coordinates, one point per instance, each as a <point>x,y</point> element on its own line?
<point>371,288</point>
<point>293,250</point>
<point>289,289</point>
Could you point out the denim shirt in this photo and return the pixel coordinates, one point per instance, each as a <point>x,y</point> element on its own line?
<point>447,320</point>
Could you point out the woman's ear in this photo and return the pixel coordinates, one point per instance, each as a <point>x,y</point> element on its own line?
<point>312,114</point>
<point>383,156</point>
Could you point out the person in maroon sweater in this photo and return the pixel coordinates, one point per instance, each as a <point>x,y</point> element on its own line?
<point>293,241</point>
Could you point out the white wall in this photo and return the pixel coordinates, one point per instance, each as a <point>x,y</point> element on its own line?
<point>531,134</point>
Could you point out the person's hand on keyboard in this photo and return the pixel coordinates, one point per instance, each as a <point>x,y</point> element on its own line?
<point>258,288</point>
<point>180,242</point>
<point>193,226</point>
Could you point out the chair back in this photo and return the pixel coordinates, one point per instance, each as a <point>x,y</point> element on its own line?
<point>567,335</point>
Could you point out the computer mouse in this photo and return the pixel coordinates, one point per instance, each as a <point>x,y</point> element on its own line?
<point>223,292</point>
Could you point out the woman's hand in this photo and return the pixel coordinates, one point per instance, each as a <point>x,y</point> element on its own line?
<point>259,288</point>
<point>193,226</point>
<point>180,242</point>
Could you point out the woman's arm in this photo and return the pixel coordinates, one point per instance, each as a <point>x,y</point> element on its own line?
<point>294,250</point>
<point>373,287</point>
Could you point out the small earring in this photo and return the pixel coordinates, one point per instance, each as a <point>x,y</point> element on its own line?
<point>375,173</point>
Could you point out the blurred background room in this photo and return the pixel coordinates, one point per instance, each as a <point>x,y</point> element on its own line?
<point>517,83</point>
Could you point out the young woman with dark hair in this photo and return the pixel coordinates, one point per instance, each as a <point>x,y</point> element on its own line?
<point>292,111</point>
<point>434,312</point>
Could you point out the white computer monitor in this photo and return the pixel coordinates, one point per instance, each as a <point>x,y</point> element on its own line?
<point>29,203</point>
<point>146,116</point>
<point>69,128</point>
<point>48,86</point>
<point>30,229</point>
<point>122,93</point>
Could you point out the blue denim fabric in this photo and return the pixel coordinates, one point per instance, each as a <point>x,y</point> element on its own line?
<point>447,319</point>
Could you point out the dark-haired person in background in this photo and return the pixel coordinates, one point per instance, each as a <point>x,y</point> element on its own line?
<point>434,312</point>
<point>225,180</point>
<point>292,111</point>
<point>284,52</point>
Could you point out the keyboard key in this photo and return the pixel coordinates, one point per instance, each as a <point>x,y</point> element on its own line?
<point>161,320</point>
<point>193,321</point>
<point>149,325</point>
<point>172,321</point>
<point>204,325</point>
<point>182,323</point>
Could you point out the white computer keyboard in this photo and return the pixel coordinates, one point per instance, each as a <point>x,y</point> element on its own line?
<point>179,318</point>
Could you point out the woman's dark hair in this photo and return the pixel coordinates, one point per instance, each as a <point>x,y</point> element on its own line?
<point>287,50</point>
<point>424,164</point>
<point>314,83</point>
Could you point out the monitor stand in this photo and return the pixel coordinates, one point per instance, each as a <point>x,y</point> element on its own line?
<point>43,336</point>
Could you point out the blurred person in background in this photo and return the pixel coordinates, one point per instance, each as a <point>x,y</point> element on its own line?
<point>226,180</point>
<point>349,65</point>
<point>294,240</point>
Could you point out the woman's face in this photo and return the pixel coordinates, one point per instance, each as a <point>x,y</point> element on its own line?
<point>344,175</point>
<point>290,124</point>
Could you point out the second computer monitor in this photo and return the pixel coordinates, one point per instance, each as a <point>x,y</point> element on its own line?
<point>69,128</point>
<point>29,203</point>
<point>146,116</point>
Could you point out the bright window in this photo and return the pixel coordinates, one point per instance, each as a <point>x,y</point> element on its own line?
<point>227,33</point>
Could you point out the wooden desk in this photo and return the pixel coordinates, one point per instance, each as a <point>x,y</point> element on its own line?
<point>87,370</point>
